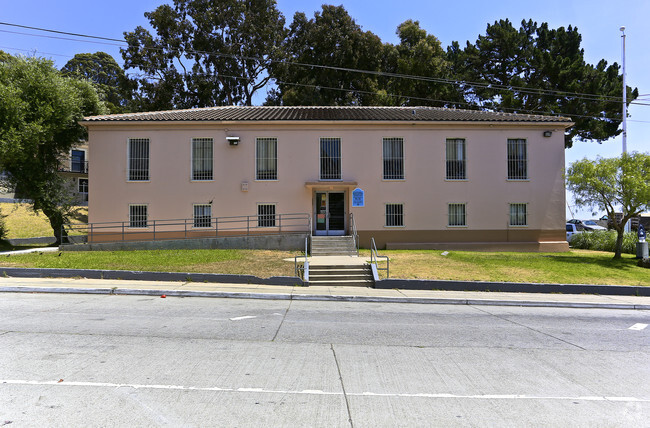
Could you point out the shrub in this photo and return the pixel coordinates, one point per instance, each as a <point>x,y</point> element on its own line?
<point>3,226</point>
<point>604,240</point>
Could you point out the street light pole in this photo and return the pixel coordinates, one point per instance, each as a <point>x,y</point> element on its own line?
<point>624,92</point>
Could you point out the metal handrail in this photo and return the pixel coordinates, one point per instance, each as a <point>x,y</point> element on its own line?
<point>355,235</point>
<point>194,228</point>
<point>374,256</point>
<point>305,266</point>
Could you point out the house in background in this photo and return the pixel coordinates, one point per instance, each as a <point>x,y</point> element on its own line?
<point>74,168</point>
<point>409,177</point>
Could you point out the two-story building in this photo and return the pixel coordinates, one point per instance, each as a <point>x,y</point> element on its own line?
<point>413,177</point>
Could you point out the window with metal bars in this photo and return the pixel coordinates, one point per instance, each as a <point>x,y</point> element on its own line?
<point>394,214</point>
<point>517,159</point>
<point>393,153</point>
<point>330,158</point>
<point>138,153</point>
<point>266,159</point>
<point>202,159</point>
<point>266,215</point>
<point>457,215</point>
<point>518,215</point>
<point>137,216</point>
<point>202,215</point>
<point>456,159</point>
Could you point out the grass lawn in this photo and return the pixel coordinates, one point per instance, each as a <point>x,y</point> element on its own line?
<point>261,263</point>
<point>574,267</point>
<point>22,222</point>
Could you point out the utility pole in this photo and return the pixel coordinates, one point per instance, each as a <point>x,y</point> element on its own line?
<point>624,92</point>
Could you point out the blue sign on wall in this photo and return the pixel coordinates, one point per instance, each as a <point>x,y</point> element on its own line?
<point>358,198</point>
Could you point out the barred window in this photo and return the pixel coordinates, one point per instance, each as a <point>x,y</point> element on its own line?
<point>266,215</point>
<point>138,153</point>
<point>266,159</point>
<point>202,155</point>
<point>137,216</point>
<point>330,158</point>
<point>394,214</point>
<point>202,215</point>
<point>457,215</point>
<point>456,159</point>
<point>393,150</point>
<point>517,159</point>
<point>518,215</point>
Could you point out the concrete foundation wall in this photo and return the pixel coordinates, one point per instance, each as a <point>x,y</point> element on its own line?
<point>285,242</point>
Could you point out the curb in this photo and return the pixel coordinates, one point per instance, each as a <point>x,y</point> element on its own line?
<point>319,297</point>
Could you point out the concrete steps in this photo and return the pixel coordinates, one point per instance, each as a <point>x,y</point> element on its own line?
<point>347,275</point>
<point>333,246</point>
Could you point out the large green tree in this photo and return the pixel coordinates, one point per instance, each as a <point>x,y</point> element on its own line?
<point>39,114</point>
<point>204,52</point>
<point>107,75</point>
<point>334,40</point>
<point>613,185</point>
<point>539,70</point>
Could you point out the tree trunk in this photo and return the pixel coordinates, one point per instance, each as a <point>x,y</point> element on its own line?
<point>619,242</point>
<point>57,220</point>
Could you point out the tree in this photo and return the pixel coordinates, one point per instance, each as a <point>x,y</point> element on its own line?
<point>39,114</point>
<point>419,54</point>
<point>611,184</point>
<point>539,70</point>
<point>205,52</point>
<point>331,38</point>
<point>109,78</point>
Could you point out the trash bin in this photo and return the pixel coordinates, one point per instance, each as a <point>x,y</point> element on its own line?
<point>641,250</point>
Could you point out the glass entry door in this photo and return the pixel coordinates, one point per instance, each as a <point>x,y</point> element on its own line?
<point>329,213</point>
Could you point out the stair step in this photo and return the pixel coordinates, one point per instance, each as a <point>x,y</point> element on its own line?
<point>345,283</point>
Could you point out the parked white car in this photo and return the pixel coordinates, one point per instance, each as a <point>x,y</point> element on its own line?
<point>592,225</point>
<point>572,229</point>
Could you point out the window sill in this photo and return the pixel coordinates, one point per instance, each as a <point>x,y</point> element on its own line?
<point>265,180</point>
<point>518,179</point>
<point>394,179</point>
<point>394,227</point>
<point>138,181</point>
<point>457,227</point>
<point>456,179</point>
<point>203,181</point>
<point>518,227</point>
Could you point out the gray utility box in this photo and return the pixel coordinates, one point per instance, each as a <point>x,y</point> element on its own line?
<point>641,250</point>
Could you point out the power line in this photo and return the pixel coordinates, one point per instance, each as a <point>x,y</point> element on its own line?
<point>578,95</point>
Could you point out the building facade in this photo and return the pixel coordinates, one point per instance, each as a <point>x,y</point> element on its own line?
<point>411,177</point>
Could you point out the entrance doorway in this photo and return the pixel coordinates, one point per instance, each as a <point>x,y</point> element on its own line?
<point>329,213</point>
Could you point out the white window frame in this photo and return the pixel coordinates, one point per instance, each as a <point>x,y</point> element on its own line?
<point>128,160</point>
<point>320,159</point>
<point>264,217</point>
<point>512,161</point>
<point>526,214</point>
<point>399,160</point>
<point>199,222</point>
<point>399,215</point>
<point>447,160</point>
<point>192,170</point>
<point>257,158</point>
<point>131,216</point>
<point>449,214</point>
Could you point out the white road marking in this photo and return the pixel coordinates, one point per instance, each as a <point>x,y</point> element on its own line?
<point>242,318</point>
<point>638,326</point>
<point>319,392</point>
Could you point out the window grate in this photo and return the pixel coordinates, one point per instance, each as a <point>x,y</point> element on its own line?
<point>457,215</point>
<point>394,214</point>
<point>202,215</point>
<point>517,159</point>
<point>138,216</point>
<point>518,215</point>
<point>330,158</point>
<point>456,159</point>
<point>138,159</point>
<point>202,159</point>
<point>266,159</point>
<point>393,152</point>
<point>266,215</point>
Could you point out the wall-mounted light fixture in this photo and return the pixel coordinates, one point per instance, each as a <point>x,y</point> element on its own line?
<point>548,133</point>
<point>233,141</point>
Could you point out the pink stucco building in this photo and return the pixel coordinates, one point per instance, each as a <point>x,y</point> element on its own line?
<point>424,177</point>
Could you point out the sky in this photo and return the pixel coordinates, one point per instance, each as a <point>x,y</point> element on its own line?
<point>598,21</point>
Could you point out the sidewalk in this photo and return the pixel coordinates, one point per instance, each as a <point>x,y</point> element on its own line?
<point>279,292</point>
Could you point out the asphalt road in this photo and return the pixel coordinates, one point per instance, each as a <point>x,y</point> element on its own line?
<point>71,360</point>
